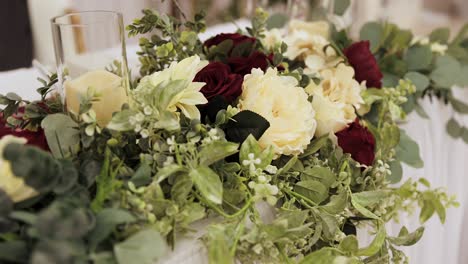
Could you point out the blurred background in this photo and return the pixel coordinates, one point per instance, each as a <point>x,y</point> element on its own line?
<point>26,34</point>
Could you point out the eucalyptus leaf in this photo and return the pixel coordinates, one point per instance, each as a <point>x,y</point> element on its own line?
<point>397,172</point>
<point>447,71</point>
<point>62,135</point>
<point>374,32</point>
<point>341,6</point>
<point>458,105</point>
<point>464,135</point>
<point>145,247</point>
<point>454,129</point>
<point>418,57</point>
<point>419,80</point>
<point>208,183</point>
<point>277,20</point>
<point>408,151</point>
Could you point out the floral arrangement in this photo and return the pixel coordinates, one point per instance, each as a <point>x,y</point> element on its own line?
<point>296,121</point>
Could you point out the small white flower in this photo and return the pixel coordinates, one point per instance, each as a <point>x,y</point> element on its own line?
<point>439,48</point>
<point>271,169</point>
<point>138,128</point>
<point>169,161</point>
<point>148,110</point>
<point>144,133</point>
<point>139,117</point>
<point>251,162</point>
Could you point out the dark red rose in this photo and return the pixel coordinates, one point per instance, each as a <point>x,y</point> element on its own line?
<point>235,37</point>
<point>244,65</point>
<point>35,138</point>
<point>220,81</point>
<point>364,64</point>
<point>359,142</point>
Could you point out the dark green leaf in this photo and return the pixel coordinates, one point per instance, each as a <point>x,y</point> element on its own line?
<point>14,252</point>
<point>142,175</point>
<point>245,123</point>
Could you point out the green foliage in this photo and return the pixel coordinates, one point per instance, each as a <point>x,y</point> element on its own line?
<point>146,247</point>
<point>175,42</point>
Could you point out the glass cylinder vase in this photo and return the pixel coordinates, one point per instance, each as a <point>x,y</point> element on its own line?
<point>91,61</point>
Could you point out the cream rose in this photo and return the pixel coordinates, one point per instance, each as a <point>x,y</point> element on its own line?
<point>15,187</point>
<point>112,94</point>
<point>335,99</point>
<point>308,41</point>
<point>285,105</point>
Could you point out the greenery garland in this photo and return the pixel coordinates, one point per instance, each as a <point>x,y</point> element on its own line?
<point>126,192</point>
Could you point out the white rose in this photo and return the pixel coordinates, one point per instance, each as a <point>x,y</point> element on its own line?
<point>14,186</point>
<point>335,99</point>
<point>285,105</point>
<point>188,98</point>
<point>272,38</point>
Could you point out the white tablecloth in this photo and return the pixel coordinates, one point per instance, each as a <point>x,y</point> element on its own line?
<point>446,163</point>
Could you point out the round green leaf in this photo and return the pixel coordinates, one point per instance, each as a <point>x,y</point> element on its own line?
<point>453,128</point>
<point>418,57</point>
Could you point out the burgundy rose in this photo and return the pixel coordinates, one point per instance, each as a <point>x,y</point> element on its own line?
<point>364,64</point>
<point>235,37</point>
<point>357,141</point>
<point>244,65</point>
<point>220,81</point>
<point>35,138</point>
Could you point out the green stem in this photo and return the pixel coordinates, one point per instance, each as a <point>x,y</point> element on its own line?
<point>220,211</point>
<point>311,204</point>
<point>240,231</point>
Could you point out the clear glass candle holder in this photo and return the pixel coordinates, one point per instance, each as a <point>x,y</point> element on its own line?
<point>91,61</point>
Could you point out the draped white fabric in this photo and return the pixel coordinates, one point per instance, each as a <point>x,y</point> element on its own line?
<point>446,164</point>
